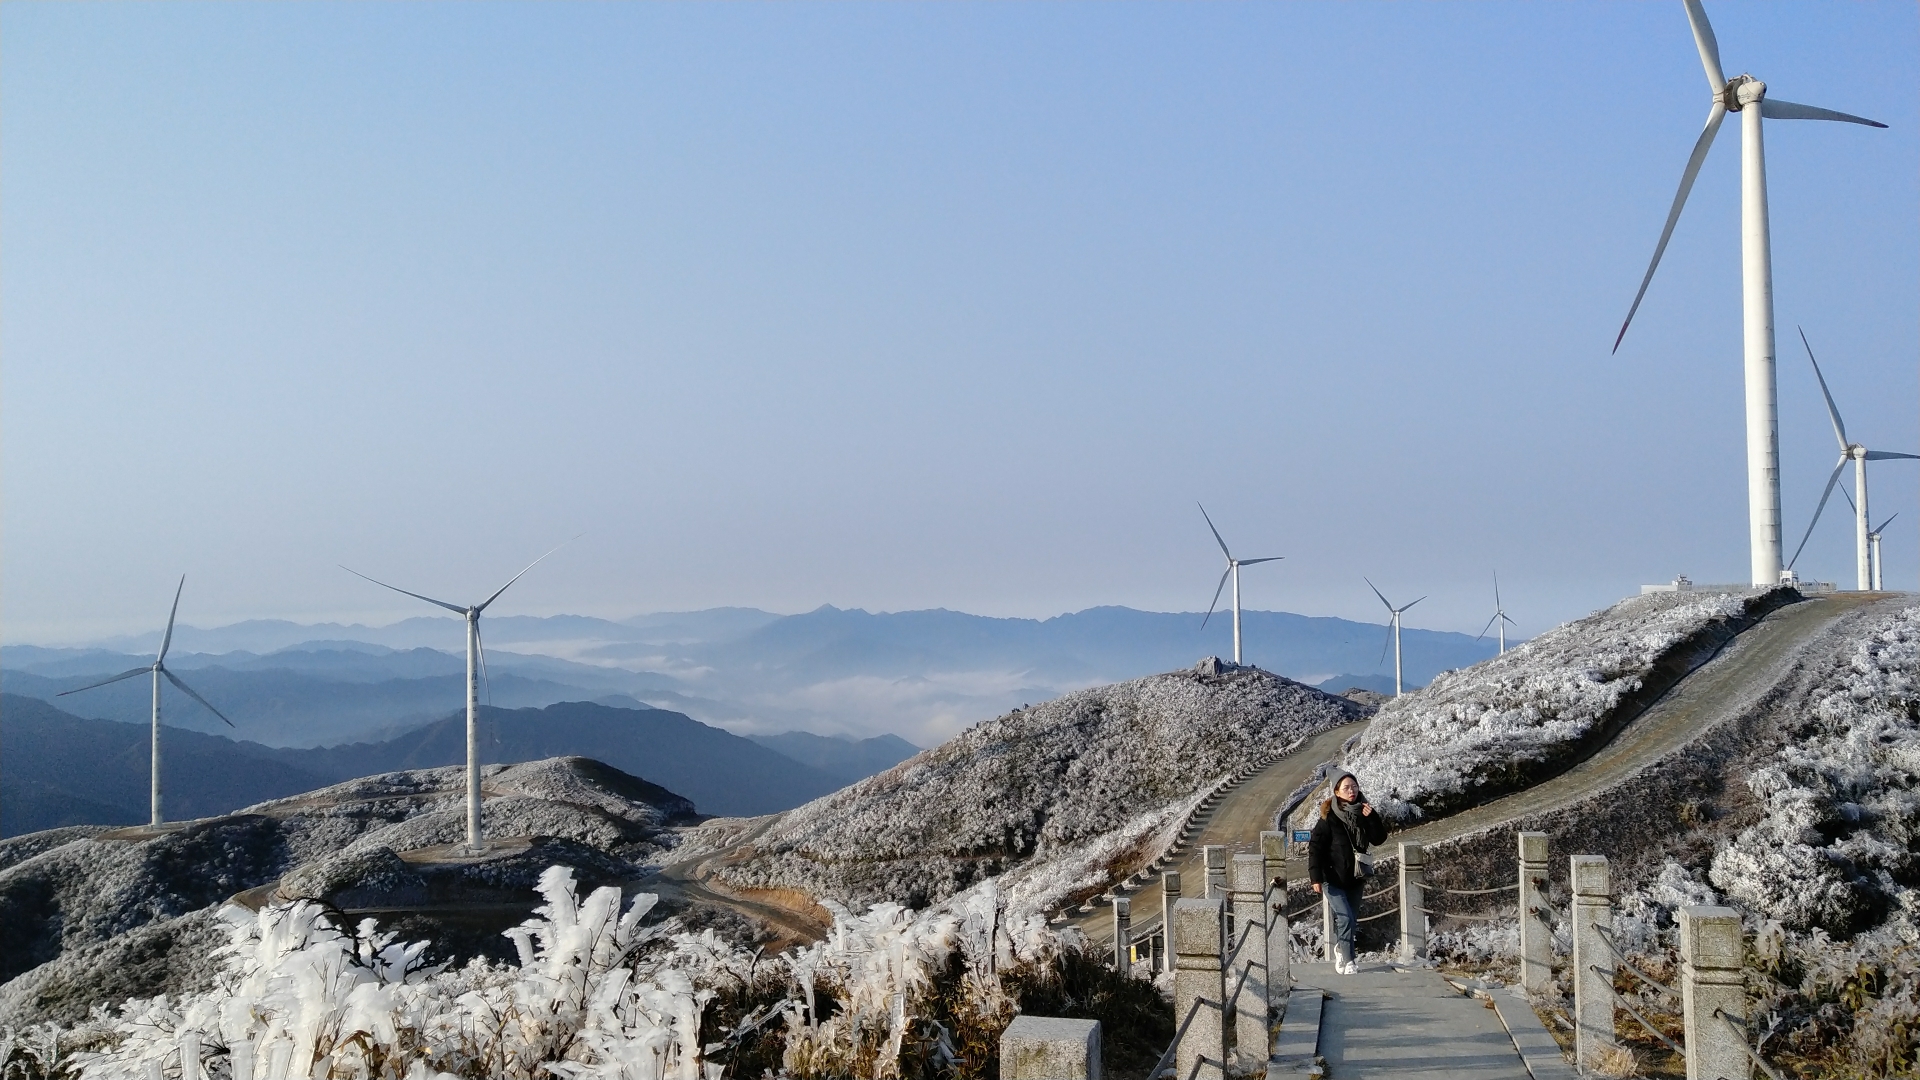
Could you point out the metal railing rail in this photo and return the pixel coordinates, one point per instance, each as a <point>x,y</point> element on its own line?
<point>1741,1031</point>
<point>1474,892</point>
<point>1172,1047</point>
<point>1623,1003</point>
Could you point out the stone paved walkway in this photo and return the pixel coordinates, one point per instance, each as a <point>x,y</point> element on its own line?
<point>1401,1023</point>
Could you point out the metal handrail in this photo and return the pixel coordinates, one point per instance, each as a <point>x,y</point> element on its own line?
<point>1382,915</point>
<point>1633,968</point>
<point>1474,892</point>
<point>1167,1057</point>
<point>1721,1015</point>
<point>1379,892</point>
<point>1458,915</point>
<point>1644,1022</point>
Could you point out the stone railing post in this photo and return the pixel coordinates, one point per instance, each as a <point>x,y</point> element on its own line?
<point>1215,856</point>
<point>1050,1048</point>
<point>1711,955</point>
<point>1413,899</point>
<point>1592,961</point>
<point>1273,850</point>
<point>1199,987</point>
<point>1249,881</point>
<point>1169,896</point>
<point>1536,921</point>
<point>1122,934</point>
<point>240,1059</point>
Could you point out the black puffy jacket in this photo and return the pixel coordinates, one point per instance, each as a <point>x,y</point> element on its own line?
<point>1330,851</point>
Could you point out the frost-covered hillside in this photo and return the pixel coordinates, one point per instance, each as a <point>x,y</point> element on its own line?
<point>88,914</point>
<point>1499,725</point>
<point>1061,791</point>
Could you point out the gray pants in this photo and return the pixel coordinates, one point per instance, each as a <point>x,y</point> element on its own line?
<point>1344,904</point>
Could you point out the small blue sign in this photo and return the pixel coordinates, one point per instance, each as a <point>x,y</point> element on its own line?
<point>1301,836</point>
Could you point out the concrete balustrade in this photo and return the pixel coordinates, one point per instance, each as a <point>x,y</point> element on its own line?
<point>1413,901</point>
<point>1248,967</point>
<point>1122,934</point>
<point>1712,986</point>
<point>1215,858</point>
<point>1593,962</point>
<point>1199,988</point>
<point>1273,851</point>
<point>1169,896</point>
<point>1328,953</point>
<point>1536,923</point>
<point>1050,1048</point>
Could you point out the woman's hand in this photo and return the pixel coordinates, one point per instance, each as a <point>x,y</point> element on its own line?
<point>1316,886</point>
<point>1366,808</point>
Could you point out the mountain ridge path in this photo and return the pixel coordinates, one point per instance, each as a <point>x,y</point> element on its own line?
<point>1722,689</point>
<point>1236,824</point>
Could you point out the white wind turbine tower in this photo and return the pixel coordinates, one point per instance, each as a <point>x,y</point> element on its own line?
<point>1393,632</point>
<point>1873,540</point>
<point>158,669</point>
<point>1233,571</point>
<point>1865,565</point>
<point>1747,96</point>
<point>476,665</point>
<point>1499,616</point>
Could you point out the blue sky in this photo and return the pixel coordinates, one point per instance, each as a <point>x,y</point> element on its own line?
<point>921,305</point>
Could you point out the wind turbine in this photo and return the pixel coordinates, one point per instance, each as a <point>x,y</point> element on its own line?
<point>1233,571</point>
<point>158,669</point>
<point>1499,615</point>
<point>1394,633</point>
<point>1873,539</point>
<point>476,667</point>
<point>1863,537</point>
<point>1747,96</point>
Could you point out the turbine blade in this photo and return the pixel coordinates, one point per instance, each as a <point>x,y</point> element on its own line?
<point>1224,574</point>
<point>1509,622</point>
<point>167,642</point>
<point>1250,562</point>
<point>1376,591</point>
<point>1848,495</point>
<point>1384,645</point>
<point>1489,626</point>
<point>1496,591</point>
<point>188,690</point>
<point>1775,109</point>
<point>1216,532</point>
<point>450,607</point>
<point>1824,496</point>
<point>123,675</point>
<point>1709,47</point>
<point>1700,148</point>
<point>1889,455</point>
<point>1833,411</point>
<point>1410,605</point>
<point>1884,524</point>
<point>523,573</point>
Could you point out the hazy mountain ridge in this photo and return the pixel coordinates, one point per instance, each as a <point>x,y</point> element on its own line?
<point>61,770</point>
<point>923,675</point>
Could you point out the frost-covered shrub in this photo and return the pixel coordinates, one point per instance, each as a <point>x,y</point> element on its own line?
<point>1491,726</point>
<point>598,992</point>
<point>1071,784</point>
<point>1840,817</point>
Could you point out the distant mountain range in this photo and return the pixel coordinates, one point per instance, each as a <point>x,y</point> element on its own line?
<point>919,674</point>
<point>59,769</point>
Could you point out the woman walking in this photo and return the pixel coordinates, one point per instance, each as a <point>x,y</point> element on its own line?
<point>1346,829</point>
